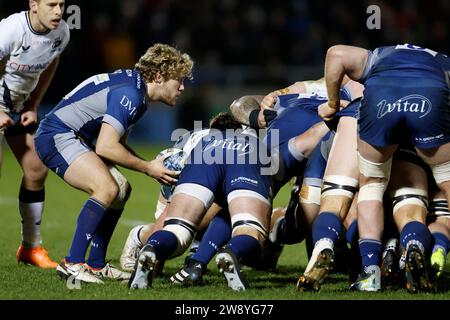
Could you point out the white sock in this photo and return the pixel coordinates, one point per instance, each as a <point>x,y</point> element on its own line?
<point>135,235</point>
<point>31,223</point>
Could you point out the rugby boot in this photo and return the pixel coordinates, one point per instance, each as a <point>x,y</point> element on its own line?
<point>230,267</point>
<point>320,264</point>
<point>37,256</point>
<point>77,271</point>
<point>415,271</point>
<point>110,272</point>
<point>191,274</point>
<point>438,259</point>
<point>390,270</point>
<point>142,276</point>
<point>369,280</point>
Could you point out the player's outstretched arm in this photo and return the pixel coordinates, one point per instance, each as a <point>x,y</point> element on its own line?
<point>109,147</point>
<point>341,61</point>
<point>308,86</point>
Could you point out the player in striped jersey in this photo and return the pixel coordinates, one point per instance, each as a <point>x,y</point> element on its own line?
<point>30,45</point>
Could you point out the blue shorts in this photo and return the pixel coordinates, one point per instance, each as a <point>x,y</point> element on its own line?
<point>223,177</point>
<point>405,110</point>
<point>58,149</point>
<point>317,162</point>
<point>17,129</point>
<point>291,163</point>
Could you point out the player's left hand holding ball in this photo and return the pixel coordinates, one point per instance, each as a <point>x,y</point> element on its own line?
<point>160,173</point>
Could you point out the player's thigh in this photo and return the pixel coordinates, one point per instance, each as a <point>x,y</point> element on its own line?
<point>407,175</point>
<point>24,150</point>
<point>187,206</point>
<point>246,185</point>
<point>343,157</point>
<point>89,173</point>
<point>197,188</point>
<point>435,155</point>
<point>375,154</point>
<point>438,158</point>
<point>249,208</point>
<point>408,188</point>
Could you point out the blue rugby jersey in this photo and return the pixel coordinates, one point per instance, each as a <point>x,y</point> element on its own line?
<point>296,113</point>
<point>407,61</point>
<point>118,99</point>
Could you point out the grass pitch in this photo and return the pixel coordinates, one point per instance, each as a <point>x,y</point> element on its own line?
<point>62,207</point>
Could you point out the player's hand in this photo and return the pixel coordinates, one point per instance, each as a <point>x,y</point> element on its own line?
<point>326,111</point>
<point>268,101</point>
<point>265,116</point>
<point>5,120</point>
<point>157,171</point>
<point>28,117</point>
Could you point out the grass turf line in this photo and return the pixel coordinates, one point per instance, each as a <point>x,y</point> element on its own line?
<point>61,210</point>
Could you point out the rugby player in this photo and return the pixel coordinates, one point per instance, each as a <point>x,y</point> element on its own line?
<point>31,43</point>
<point>225,167</point>
<point>103,108</point>
<point>294,118</point>
<point>405,101</point>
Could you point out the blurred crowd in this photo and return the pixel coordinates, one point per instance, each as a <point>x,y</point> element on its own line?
<point>233,42</point>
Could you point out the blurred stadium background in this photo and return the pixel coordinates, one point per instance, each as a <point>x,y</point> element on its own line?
<point>239,47</point>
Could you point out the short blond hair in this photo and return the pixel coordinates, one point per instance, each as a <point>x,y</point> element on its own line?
<point>168,61</point>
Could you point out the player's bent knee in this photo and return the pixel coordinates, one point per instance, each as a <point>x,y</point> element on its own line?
<point>310,194</point>
<point>337,194</point>
<point>184,230</point>
<point>409,196</point>
<point>249,231</point>
<point>246,223</point>
<point>336,204</point>
<point>441,172</point>
<point>372,192</point>
<point>409,204</point>
<point>375,170</point>
<point>106,192</point>
<point>241,193</point>
<point>200,192</point>
<point>35,174</point>
<point>124,189</point>
<point>336,185</point>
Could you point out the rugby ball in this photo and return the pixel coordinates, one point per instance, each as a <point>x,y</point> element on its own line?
<point>174,159</point>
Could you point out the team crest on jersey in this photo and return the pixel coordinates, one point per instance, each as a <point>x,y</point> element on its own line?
<point>413,103</point>
<point>56,44</point>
